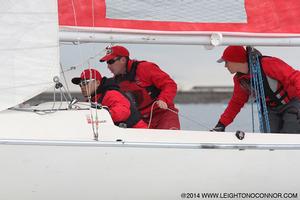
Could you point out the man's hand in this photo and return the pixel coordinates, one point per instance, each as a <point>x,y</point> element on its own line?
<point>219,127</point>
<point>162,104</point>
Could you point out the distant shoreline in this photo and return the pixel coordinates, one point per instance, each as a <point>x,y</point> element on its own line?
<point>182,97</point>
<point>186,97</point>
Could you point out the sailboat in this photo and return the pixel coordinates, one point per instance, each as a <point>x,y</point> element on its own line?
<point>70,150</point>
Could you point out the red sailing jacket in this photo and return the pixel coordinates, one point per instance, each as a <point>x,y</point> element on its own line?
<point>149,74</point>
<point>278,73</point>
<point>119,107</point>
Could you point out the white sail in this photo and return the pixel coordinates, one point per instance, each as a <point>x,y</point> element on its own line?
<point>29,55</point>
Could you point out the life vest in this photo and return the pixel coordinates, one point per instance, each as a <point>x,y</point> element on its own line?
<point>109,84</point>
<point>274,90</point>
<point>143,96</point>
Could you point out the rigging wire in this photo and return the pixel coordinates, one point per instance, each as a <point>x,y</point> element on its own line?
<point>85,62</point>
<point>95,132</point>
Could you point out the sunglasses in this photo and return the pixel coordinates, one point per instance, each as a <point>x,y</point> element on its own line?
<point>85,82</point>
<point>112,61</point>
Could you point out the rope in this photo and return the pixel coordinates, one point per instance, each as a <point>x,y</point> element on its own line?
<point>53,109</point>
<point>252,113</point>
<point>257,87</point>
<point>181,115</point>
<point>151,113</point>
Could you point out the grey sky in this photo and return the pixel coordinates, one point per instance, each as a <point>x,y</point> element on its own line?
<point>188,65</point>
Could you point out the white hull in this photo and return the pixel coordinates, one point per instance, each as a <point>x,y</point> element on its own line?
<point>142,164</point>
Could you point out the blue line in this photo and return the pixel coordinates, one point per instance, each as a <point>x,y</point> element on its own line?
<point>258,88</point>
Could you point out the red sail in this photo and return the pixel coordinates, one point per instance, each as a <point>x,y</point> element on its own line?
<point>278,17</point>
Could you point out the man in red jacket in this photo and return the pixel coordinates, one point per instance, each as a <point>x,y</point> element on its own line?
<point>105,92</point>
<point>153,89</point>
<point>281,85</point>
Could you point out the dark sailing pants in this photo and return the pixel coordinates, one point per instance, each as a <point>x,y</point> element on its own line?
<point>285,118</point>
<point>165,119</point>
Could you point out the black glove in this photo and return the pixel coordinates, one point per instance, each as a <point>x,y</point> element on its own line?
<point>219,127</point>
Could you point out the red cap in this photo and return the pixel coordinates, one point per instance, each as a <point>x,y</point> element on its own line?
<point>86,75</point>
<point>234,54</point>
<point>112,52</point>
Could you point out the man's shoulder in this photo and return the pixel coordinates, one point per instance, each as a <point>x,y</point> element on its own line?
<point>269,64</point>
<point>146,67</point>
<point>145,63</point>
<point>270,59</point>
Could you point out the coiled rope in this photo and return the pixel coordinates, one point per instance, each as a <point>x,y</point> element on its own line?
<point>257,87</point>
